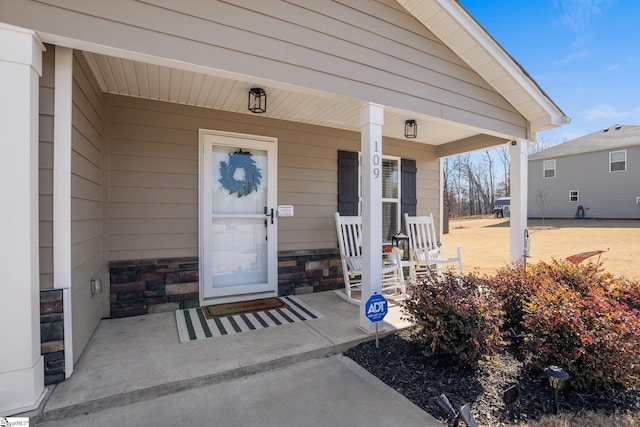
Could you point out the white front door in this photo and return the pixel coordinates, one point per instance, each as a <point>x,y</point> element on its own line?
<point>238,225</point>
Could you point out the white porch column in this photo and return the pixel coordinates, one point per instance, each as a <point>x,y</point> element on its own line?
<point>518,160</point>
<point>63,104</point>
<point>21,365</point>
<point>371,121</point>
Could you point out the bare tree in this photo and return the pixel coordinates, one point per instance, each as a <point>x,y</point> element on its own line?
<point>542,200</point>
<point>543,144</point>
<point>488,159</point>
<point>503,155</point>
<point>475,178</point>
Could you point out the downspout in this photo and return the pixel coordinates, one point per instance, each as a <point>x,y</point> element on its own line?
<point>62,192</point>
<point>441,198</point>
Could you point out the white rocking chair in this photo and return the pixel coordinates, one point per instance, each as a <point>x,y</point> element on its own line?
<point>426,254</point>
<point>350,241</point>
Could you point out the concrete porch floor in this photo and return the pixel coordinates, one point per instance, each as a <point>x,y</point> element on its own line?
<point>137,360</point>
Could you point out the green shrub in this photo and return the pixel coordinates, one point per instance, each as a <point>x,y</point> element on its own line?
<point>455,318</point>
<point>575,318</point>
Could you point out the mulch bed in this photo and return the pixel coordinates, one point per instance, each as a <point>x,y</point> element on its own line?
<point>400,363</point>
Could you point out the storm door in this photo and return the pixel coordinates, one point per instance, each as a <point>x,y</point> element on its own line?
<point>238,226</point>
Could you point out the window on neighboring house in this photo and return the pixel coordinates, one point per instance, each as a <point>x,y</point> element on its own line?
<point>574,196</point>
<point>549,167</point>
<point>618,161</point>
<point>398,189</point>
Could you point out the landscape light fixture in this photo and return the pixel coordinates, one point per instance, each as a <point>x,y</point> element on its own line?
<point>463,414</point>
<point>509,397</point>
<point>410,129</point>
<point>446,406</point>
<point>257,100</point>
<point>467,416</point>
<point>557,377</point>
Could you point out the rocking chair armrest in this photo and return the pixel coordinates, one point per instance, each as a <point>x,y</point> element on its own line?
<point>457,248</point>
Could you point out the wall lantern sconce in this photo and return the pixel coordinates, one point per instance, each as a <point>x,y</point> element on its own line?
<point>401,241</point>
<point>410,129</point>
<point>96,286</point>
<point>257,100</point>
<point>557,377</point>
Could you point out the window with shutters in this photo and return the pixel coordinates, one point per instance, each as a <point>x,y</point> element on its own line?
<point>398,189</point>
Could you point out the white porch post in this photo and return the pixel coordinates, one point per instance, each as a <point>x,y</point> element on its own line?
<point>371,121</point>
<point>63,103</point>
<point>518,160</point>
<point>21,365</point>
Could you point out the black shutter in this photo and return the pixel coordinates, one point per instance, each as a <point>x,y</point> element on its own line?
<point>409,200</point>
<point>348,183</point>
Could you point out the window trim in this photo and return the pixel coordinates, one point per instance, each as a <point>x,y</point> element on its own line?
<point>577,196</point>
<point>545,169</point>
<point>611,162</point>
<point>397,200</point>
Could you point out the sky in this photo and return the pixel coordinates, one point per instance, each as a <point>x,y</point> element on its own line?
<point>585,54</point>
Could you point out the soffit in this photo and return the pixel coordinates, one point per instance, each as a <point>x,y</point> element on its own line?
<point>140,79</point>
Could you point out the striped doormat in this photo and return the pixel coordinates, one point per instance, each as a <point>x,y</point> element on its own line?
<point>193,325</point>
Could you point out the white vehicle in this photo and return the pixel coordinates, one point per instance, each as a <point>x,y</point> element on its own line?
<point>501,207</point>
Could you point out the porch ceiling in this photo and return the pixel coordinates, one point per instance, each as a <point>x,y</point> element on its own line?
<point>150,81</point>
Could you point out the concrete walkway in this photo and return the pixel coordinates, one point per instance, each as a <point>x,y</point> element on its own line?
<point>135,372</point>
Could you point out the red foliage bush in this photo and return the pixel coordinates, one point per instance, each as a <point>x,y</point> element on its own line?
<point>454,317</point>
<point>573,315</point>
<point>579,318</point>
<point>513,286</point>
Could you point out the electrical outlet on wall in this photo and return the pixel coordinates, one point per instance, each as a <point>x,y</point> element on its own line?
<point>637,200</point>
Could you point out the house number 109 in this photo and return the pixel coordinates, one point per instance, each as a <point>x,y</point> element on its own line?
<point>375,159</point>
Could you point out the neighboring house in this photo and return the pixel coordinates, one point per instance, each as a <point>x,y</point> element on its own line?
<point>594,176</point>
<point>135,179</point>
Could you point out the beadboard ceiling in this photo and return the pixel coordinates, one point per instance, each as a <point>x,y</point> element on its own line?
<point>144,80</point>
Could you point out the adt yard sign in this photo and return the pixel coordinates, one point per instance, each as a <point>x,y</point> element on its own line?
<point>376,308</point>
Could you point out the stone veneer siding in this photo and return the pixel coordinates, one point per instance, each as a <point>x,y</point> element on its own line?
<point>153,286</point>
<point>156,285</point>
<point>52,335</point>
<point>303,272</point>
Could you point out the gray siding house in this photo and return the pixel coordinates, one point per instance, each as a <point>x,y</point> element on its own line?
<point>594,176</point>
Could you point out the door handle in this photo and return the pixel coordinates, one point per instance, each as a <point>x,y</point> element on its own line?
<point>269,214</point>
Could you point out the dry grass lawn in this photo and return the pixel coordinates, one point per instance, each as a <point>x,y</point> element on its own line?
<point>485,242</point>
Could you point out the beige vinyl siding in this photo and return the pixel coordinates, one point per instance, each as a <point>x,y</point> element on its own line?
<point>154,176</point>
<point>153,180</point>
<point>87,244</point>
<point>366,50</point>
<point>45,168</point>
